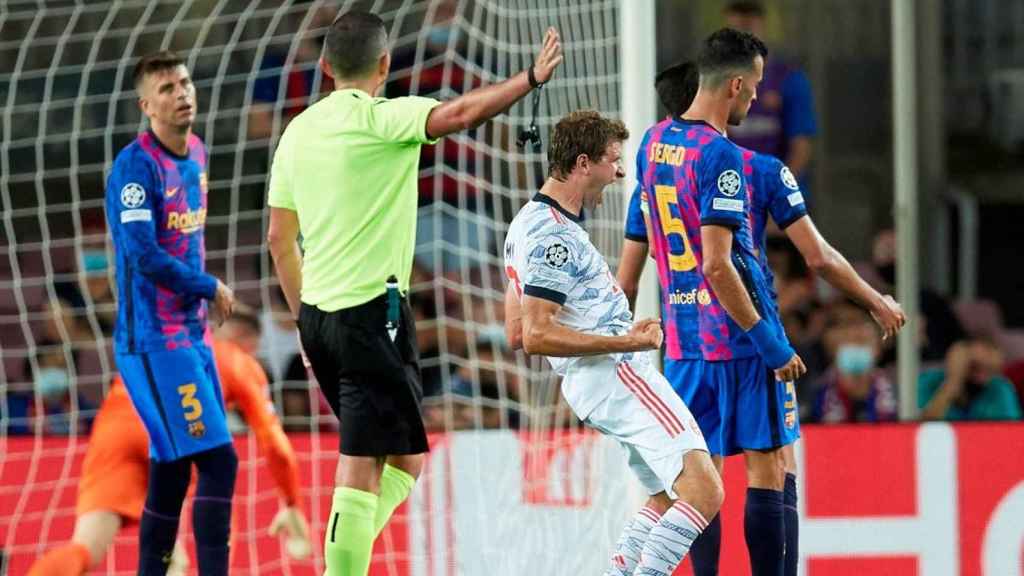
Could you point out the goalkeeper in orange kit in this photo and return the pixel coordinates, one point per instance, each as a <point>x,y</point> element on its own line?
<point>112,490</point>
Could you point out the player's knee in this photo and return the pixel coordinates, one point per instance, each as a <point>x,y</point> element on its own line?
<point>766,469</point>
<point>700,485</point>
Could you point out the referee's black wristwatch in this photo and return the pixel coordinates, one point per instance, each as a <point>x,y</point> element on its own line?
<point>533,78</point>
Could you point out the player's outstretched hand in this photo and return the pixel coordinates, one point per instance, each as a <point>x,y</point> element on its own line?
<point>223,302</point>
<point>292,522</point>
<point>549,57</point>
<point>647,334</point>
<point>792,370</point>
<point>889,316</point>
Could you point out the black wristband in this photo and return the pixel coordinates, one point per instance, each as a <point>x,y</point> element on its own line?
<point>532,79</point>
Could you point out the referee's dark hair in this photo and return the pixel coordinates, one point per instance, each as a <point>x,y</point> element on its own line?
<point>154,63</point>
<point>728,53</point>
<point>354,44</point>
<point>581,132</point>
<point>676,86</point>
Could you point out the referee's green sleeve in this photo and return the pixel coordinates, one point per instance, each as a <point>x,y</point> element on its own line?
<point>403,119</point>
<point>280,194</point>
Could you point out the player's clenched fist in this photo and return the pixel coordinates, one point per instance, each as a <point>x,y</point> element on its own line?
<point>889,316</point>
<point>549,57</point>
<point>647,334</point>
<point>792,370</point>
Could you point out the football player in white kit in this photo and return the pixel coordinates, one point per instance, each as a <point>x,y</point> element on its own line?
<point>563,302</point>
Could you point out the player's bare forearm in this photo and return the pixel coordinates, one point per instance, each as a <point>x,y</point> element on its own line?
<point>799,155</point>
<point>513,319</point>
<point>825,260</point>
<point>725,281</point>
<point>631,266</point>
<point>282,237</point>
<point>478,106</point>
<point>544,335</point>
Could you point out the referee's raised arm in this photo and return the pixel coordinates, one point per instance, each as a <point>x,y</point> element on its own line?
<point>478,106</point>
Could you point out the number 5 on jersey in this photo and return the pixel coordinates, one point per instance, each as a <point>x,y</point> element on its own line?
<point>666,197</point>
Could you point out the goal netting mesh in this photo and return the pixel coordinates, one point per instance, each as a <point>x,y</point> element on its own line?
<point>511,484</point>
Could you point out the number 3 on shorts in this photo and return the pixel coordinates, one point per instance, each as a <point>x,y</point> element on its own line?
<point>193,409</point>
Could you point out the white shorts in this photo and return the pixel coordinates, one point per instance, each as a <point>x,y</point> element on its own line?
<point>646,416</point>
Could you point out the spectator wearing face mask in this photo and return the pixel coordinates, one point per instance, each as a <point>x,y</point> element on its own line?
<point>53,406</point>
<point>970,387</point>
<point>853,389</point>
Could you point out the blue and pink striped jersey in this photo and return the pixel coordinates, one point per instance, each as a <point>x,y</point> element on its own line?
<point>156,211</point>
<point>693,176</point>
<point>776,194</point>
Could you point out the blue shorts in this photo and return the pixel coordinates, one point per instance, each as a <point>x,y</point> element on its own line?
<point>753,411</point>
<point>702,400</point>
<point>177,394</point>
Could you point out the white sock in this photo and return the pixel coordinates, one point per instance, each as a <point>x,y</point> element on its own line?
<point>631,542</point>
<point>670,540</point>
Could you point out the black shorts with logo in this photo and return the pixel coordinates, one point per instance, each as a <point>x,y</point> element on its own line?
<point>371,382</point>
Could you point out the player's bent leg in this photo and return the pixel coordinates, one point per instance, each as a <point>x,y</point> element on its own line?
<point>69,560</point>
<point>699,496</point>
<point>707,548</point>
<point>631,542</point>
<point>211,509</point>
<point>94,533</point>
<point>791,515</point>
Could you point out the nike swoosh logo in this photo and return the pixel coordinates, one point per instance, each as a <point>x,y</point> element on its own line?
<point>171,191</point>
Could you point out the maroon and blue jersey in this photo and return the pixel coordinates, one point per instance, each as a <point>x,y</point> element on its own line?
<point>693,176</point>
<point>156,210</point>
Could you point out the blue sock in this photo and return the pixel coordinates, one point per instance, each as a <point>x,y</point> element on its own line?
<point>158,528</point>
<point>706,548</point>
<point>765,531</point>
<point>211,508</point>
<point>792,519</point>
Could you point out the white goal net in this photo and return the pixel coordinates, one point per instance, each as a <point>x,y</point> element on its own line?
<point>511,484</point>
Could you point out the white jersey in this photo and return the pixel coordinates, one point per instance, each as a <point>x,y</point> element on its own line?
<point>549,255</point>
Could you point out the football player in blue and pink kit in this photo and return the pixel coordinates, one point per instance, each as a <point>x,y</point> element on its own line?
<point>774,192</point>
<point>156,210</point>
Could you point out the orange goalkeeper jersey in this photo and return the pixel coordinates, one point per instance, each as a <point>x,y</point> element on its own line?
<point>118,436</point>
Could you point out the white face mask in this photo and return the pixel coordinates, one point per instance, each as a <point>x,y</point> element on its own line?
<point>52,382</point>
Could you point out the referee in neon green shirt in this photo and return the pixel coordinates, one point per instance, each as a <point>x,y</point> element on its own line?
<point>345,177</point>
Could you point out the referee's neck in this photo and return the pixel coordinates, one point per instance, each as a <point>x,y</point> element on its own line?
<point>367,85</point>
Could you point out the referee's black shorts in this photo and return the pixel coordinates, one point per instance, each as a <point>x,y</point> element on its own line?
<point>371,382</point>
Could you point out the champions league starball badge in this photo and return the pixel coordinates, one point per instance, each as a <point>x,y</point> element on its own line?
<point>556,255</point>
<point>729,183</point>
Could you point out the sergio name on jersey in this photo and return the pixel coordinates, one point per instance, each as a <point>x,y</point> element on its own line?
<point>693,176</point>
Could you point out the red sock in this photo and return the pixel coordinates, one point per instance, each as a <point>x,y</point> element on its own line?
<point>71,559</point>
